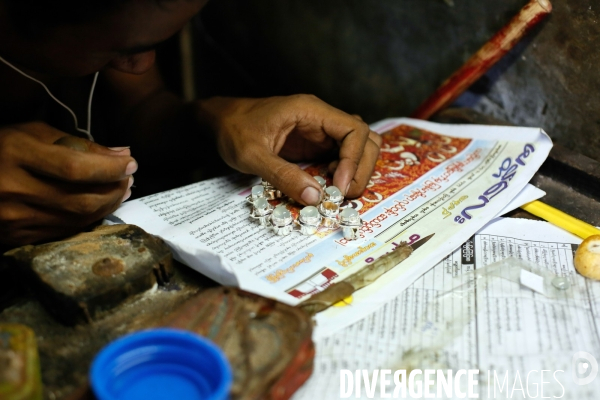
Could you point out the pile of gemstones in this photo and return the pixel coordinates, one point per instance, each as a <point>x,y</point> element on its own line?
<point>326,215</point>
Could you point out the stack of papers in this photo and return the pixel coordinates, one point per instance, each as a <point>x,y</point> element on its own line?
<point>498,299</point>
<point>445,180</point>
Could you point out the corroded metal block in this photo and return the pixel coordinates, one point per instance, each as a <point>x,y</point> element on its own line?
<point>79,277</point>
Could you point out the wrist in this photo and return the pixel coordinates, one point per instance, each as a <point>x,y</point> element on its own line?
<point>212,112</point>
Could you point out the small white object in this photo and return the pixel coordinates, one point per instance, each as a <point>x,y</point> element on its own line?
<point>262,210</point>
<point>349,216</point>
<point>561,283</point>
<point>281,214</point>
<point>282,221</point>
<point>258,192</point>
<point>350,222</point>
<point>309,220</point>
<point>334,195</point>
<point>532,281</point>
<point>321,181</point>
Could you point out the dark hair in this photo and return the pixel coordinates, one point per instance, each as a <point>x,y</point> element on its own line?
<point>34,16</point>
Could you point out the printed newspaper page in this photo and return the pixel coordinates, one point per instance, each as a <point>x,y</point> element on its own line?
<point>446,180</point>
<point>505,330</point>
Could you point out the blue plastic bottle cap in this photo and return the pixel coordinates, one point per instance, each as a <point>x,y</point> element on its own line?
<point>161,364</point>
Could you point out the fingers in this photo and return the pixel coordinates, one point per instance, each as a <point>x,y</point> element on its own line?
<point>350,132</point>
<point>90,202</point>
<point>21,224</point>
<point>354,168</point>
<point>50,135</point>
<point>290,179</point>
<point>80,144</point>
<point>365,168</point>
<point>41,131</point>
<point>63,163</point>
<point>85,200</point>
<point>53,185</point>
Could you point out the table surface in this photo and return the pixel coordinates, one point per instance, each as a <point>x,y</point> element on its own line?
<point>571,181</point>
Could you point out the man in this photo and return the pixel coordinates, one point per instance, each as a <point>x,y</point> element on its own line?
<point>53,49</point>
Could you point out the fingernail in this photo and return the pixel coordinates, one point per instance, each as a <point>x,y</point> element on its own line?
<point>131,168</point>
<point>127,195</point>
<point>130,183</point>
<point>118,148</point>
<point>347,188</point>
<point>311,196</point>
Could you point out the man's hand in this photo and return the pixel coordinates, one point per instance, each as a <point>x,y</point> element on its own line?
<point>257,136</point>
<point>49,191</point>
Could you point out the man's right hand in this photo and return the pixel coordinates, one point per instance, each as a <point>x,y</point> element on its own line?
<point>49,191</point>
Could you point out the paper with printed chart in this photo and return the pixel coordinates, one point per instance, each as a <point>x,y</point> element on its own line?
<point>446,321</point>
<point>446,180</point>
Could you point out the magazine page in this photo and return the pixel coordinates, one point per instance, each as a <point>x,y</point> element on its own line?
<point>445,180</point>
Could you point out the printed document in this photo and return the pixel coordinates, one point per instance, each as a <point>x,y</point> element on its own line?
<point>446,180</point>
<point>445,320</point>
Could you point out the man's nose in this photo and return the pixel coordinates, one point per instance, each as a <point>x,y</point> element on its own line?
<point>134,64</point>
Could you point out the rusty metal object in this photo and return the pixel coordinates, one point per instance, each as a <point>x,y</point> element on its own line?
<point>78,278</point>
<point>365,276</point>
<point>267,343</point>
<point>500,44</point>
<point>20,377</point>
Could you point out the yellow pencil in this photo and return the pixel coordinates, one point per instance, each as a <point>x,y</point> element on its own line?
<point>561,219</point>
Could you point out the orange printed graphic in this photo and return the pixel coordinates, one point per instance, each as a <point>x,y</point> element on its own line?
<point>407,153</point>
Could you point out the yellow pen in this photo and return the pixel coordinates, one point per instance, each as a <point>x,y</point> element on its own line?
<point>561,219</point>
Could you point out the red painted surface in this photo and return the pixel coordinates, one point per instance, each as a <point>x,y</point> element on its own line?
<point>481,61</point>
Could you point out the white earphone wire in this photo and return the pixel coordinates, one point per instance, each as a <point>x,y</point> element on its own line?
<point>88,132</point>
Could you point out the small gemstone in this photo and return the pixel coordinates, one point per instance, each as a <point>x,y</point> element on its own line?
<point>561,283</point>
<point>281,212</point>
<point>349,213</point>
<point>320,180</point>
<point>258,190</point>
<point>261,204</point>
<point>332,191</point>
<point>309,212</point>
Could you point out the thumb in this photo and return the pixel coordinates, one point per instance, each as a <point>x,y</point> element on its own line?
<point>291,180</point>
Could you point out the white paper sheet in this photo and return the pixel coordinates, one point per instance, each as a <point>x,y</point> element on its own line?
<point>447,180</point>
<point>506,327</point>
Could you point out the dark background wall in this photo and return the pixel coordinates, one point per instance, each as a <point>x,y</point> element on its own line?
<point>382,58</point>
